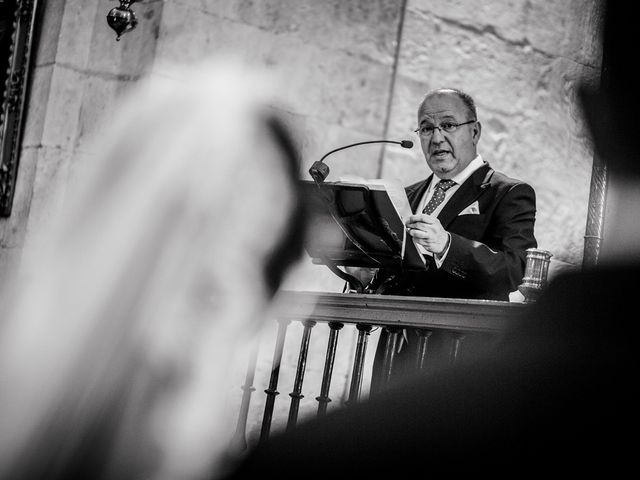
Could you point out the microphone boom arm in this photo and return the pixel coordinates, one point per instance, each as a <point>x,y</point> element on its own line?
<point>319,170</point>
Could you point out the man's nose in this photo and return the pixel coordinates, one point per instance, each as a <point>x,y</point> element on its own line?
<point>437,136</point>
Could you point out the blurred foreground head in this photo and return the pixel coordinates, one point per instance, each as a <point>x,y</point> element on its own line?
<point>115,352</point>
<point>611,109</point>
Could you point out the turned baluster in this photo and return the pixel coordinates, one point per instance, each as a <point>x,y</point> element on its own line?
<point>423,342</point>
<point>454,353</point>
<point>324,398</point>
<point>296,394</point>
<point>358,363</point>
<point>272,391</point>
<point>390,353</point>
<point>239,441</point>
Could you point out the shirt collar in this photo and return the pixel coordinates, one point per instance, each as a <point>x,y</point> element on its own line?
<point>474,165</point>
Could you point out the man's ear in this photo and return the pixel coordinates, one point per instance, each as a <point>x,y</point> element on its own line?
<point>477,131</point>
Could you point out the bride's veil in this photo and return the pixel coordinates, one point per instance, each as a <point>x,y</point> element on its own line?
<point>116,345</point>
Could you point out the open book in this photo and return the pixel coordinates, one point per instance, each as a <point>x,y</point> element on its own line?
<point>358,222</point>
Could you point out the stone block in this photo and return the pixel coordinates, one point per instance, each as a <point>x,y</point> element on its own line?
<point>354,90</point>
<point>561,217</point>
<point>36,105</point>
<point>502,18</point>
<point>63,108</point>
<point>491,71</point>
<point>77,28</point>
<point>9,263</point>
<point>51,14</point>
<point>49,187</point>
<point>12,228</point>
<point>361,28</point>
<point>100,96</point>
<point>78,161</point>
<point>407,96</point>
<point>566,29</point>
<point>555,28</point>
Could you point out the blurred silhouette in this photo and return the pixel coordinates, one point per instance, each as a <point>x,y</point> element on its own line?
<point>117,340</point>
<point>554,398</point>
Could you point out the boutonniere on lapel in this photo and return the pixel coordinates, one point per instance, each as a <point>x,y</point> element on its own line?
<point>473,209</point>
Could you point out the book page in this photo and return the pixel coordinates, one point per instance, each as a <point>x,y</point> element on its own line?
<point>399,199</point>
<point>394,188</point>
<point>398,196</point>
<point>396,193</point>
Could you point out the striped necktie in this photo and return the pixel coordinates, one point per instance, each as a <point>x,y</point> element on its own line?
<point>438,195</point>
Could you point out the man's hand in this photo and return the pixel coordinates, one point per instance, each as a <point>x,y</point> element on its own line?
<point>428,232</point>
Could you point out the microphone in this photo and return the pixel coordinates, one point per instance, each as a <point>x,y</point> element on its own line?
<point>319,171</point>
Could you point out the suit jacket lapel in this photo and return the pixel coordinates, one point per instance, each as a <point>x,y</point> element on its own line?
<point>468,192</point>
<point>416,192</point>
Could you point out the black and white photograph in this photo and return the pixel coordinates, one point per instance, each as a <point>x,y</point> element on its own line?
<point>246,239</point>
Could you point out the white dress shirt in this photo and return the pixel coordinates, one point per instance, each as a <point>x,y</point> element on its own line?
<point>460,178</point>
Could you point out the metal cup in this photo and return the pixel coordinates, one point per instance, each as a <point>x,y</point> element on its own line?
<point>535,274</point>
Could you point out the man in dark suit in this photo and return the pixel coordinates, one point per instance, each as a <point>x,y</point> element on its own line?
<point>473,224</point>
<point>555,399</point>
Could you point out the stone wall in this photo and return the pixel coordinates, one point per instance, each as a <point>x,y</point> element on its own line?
<point>355,70</point>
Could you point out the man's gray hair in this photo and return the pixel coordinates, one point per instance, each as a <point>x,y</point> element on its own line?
<point>465,97</point>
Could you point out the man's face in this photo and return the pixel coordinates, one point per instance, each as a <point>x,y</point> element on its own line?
<point>447,153</point>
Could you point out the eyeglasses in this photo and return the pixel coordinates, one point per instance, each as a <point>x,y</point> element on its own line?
<point>448,127</point>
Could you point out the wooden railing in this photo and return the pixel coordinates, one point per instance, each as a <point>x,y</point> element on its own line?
<point>365,312</point>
